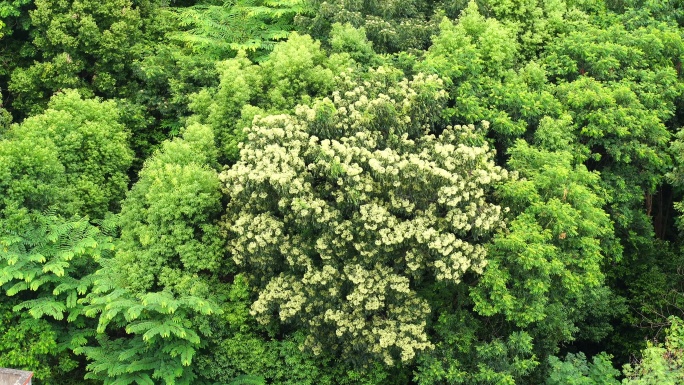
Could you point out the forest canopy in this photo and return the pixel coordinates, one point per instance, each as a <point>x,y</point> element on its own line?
<point>332,192</point>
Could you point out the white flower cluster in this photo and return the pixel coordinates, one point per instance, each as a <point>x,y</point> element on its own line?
<point>337,209</point>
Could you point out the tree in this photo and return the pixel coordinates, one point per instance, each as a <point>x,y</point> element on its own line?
<point>543,285</point>
<point>479,59</point>
<point>575,370</point>
<point>45,267</point>
<point>150,297</point>
<point>612,82</point>
<point>392,26</point>
<point>660,363</point>
<point>56,167</point>
<point>296,71</point>
<point>85,45</point>
<point>342,211</point>
<point>76,154</point>
<point>221,30</point>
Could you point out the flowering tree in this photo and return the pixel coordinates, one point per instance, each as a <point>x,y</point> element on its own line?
<point>344,210</point>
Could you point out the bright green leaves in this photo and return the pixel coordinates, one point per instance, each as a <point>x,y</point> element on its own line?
<point>461,50</point>
<point>50,257</point>
<point>477,57</point>
<point>71,160</point>
<point>31,175</point>
<point>156,289</point>
<point>611,85</point>
<point>614,124</point>
<point>660,363</point>
<point>546,267</point>
<point>221,30</point>
<point>76,154</point>
<point>613,53</point>
<point>162,342</point>
<point>45,263</point>
<point>238,80</point>
<point>621,92</point>
<point>167,234</point>
<point>27,343</point>
<point>345,39</point>
<point>296,71</point>
<point>577,371</point>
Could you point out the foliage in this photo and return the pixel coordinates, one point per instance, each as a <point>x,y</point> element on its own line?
<point>86,45</point>
<point>167,234</point>
<point>70,160</point>
<point>238,349</point>
<point>464,356</point>
<point>612,81</point>
<point>575,370</point>
<point>76,154</point>
<point>295,71</point>
<point>338,211</point>
<point>322,210</point>
<point>477,57</point>
<point>391,25</point>
<point>158,111</point>
<point>345,39</point>
<point>159,343</point>
<point>221,29</point>
<point>147,298</point>
<point>45,262</point>
<point>547,265</point>
<point>27,343</point>
<point>621,85</point>
<point>660,363</point>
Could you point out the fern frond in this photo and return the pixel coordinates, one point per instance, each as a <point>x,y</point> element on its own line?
<point>43,306</point>
<point>237,25</point>
<point>186,352</point>
<point>16,288</point>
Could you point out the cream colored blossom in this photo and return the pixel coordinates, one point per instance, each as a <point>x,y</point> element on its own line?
<point>335,217</point>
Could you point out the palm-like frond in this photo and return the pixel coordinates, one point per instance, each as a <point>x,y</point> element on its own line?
<point>50,261</point>
<point>250,25</point>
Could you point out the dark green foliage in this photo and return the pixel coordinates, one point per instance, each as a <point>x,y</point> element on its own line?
<point>86,45</point>
<point>248,380</point>
<point>391,25</point>
<point>467,353</point>
<point>158,110</point>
